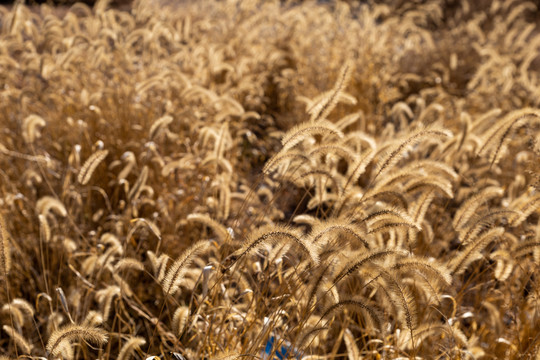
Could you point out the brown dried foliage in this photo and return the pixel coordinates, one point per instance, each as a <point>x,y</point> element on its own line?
<point>351,179</point>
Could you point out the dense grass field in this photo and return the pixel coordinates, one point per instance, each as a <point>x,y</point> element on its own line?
<point>270,179</point>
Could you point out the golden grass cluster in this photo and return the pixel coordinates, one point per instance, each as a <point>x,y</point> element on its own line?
<point>341,180</point>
